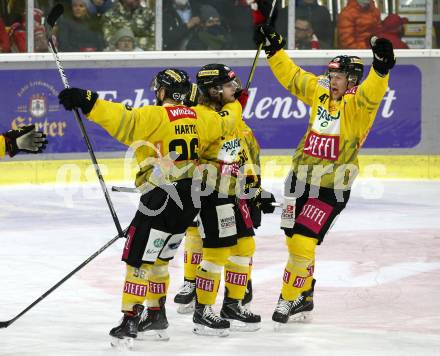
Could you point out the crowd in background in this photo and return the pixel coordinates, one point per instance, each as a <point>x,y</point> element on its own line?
<point>129,25</point>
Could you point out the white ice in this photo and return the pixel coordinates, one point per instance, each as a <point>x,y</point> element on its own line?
<point>377,291</point>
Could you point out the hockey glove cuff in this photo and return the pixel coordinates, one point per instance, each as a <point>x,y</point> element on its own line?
<point>242,96</point>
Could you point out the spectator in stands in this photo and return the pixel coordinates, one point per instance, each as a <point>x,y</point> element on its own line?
<point>98,7</point>
<point>392,30</point>
<point>319,18</point>
<point>179,21</point>
<point>211,34</point>
<point>305,37</point>
<point>237,18</point>
<point>17,33</point>
<point>5,46</point>
<point>124,41</point>
<point>79,32</point>
<point>132,14</point>
<point>357,22</point>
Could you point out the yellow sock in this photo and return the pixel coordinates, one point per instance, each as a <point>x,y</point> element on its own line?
<point>192,253</point>
<point>208,274</point>
<point>298,274</point>
<point>236,277</point>
<point>135,287</point>
<point>158,282</point>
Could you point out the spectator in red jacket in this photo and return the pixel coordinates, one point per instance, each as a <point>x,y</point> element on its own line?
<point>5,46</point>
<point>357,22</point>
<point>392,30</point>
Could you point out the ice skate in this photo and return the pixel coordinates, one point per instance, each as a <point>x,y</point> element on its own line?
<point>248,295</point>
<point>154,323</point>
<point>122,336</point>
<point>186,297</point>
<point>240,317</point>
<point>295,311</point>
<point>206,322</point>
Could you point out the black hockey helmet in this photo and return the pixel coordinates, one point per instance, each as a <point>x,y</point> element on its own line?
<point>175,82</point>
<point>213,75</point>
<point>351,65</point>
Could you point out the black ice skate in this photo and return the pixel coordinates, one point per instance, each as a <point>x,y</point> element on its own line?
<point>154,322</point>
<point>206,322</point>
<point>186,297</point>
<point>240,317</point>
<point>248,295</point>
<point>122,335</point>
<point>296,310</point>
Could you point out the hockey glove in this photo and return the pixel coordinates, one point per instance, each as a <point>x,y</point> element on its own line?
<point>383,54</point>
<point>272,41</point>
<point>78,98</point>
<point>25,139</point>
<point>263,200</point>
<point>242,96</point>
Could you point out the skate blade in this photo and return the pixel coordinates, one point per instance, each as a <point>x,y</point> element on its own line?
<point>122,344</point>
<point>206,331</point>
<point>156,335</point>
<point>303,317</point>
<point>187,308</point>
<point>240,326</point>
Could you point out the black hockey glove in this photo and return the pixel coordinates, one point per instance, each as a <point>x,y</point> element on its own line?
<point>263,200</point>
<point>272,41</point>
<point>78,98</point>
<point>383,54</point>
<point>25,139</point>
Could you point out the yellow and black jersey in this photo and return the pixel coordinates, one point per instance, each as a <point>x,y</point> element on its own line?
<point>2,146</point>
<point>164,138</point>
<point>336,129</point>
<point>250,155</point>
<point>220,144</point>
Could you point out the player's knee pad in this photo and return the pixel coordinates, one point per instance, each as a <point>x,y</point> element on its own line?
<point>237,274</point>
<point>218,256</point>
<point>300,245</point>
<point>245,247</point>
<point>135,287</point>
<point>159,268</point>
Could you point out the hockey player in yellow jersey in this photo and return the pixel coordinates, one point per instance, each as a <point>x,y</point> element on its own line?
<point>24,139</point>
<point>165,139</point>
<point>325,162</point>
<point>225,221</point>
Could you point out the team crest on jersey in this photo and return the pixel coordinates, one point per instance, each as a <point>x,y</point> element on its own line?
<point>325,122</point>
<point>180,112</point>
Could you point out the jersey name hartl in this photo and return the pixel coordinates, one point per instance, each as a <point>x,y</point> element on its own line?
<point>323,139</point>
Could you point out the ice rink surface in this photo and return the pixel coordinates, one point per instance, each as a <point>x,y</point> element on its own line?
<point>377,291</point>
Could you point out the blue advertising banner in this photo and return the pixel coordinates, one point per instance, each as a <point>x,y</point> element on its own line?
<point>278,119</point>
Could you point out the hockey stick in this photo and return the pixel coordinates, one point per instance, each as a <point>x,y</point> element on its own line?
<point>136,190</point>
<point>52,18</point>
<point>260,47</point>
<point>5,324</point>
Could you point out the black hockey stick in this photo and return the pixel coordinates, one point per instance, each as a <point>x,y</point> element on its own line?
<point>260,47</point>
<point>5,324</point>
<point>52,18</point>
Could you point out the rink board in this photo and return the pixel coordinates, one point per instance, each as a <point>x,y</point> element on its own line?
<point>277,167</point>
